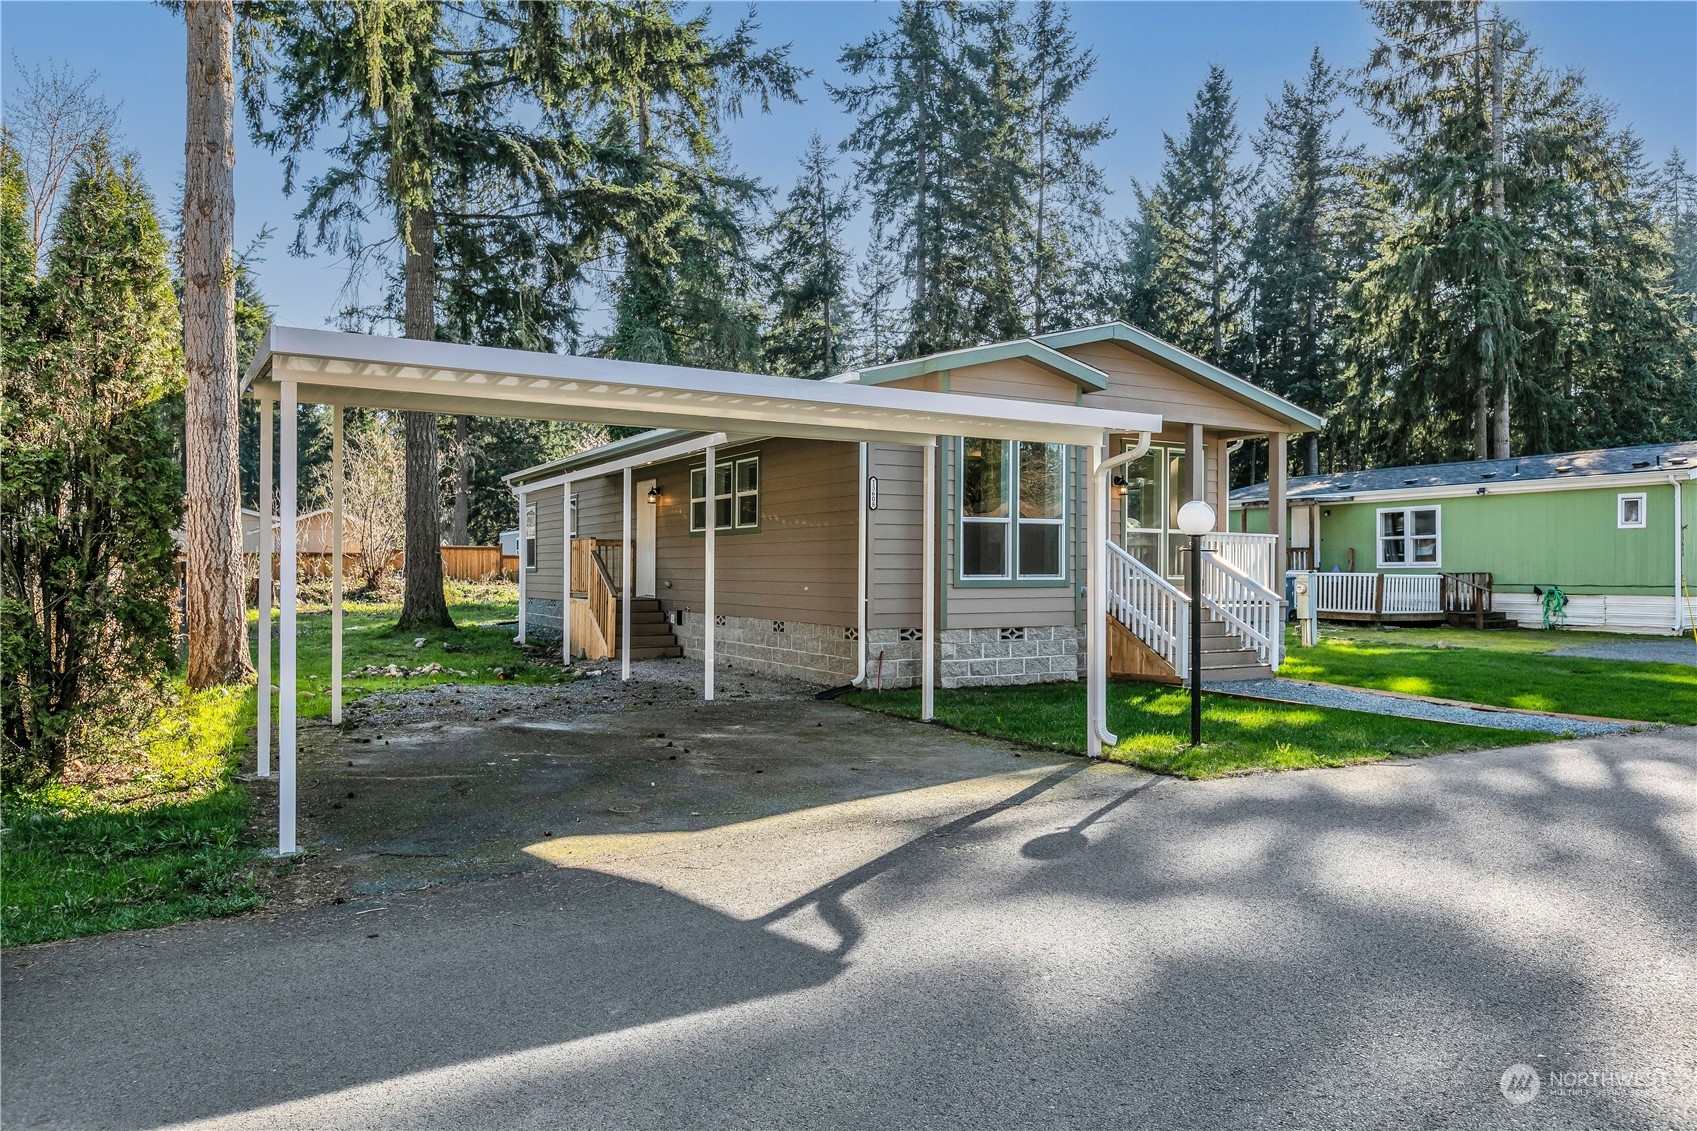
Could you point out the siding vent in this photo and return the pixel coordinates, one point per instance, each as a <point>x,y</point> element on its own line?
<point>719,621</point>
<point>851,634</point>
<point>1011,634</point>
<point>912,634</point>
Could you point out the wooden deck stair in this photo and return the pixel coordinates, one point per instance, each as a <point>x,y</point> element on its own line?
<point>651,636</point>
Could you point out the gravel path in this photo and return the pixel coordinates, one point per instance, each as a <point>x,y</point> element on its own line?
<point>1354,699</point>
<point>1652,650</point>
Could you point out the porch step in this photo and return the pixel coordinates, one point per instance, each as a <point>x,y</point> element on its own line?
<point>1492,620</point>
<point>650,635</point>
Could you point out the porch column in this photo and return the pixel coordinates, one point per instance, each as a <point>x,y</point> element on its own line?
<point>709,580</point>
<point>1223,488</point>
<point>267,467</point>
<point>1277,519</point>
<point>524,587</point>
<point>566,574</point>
<point>625,588</point>
<point>1095,605</point>
<point>928,590</point>
<point>336,465</point>
<point>286,597</point>
<point>1195,463</point>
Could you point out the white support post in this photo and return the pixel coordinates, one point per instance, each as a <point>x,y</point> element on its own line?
<point>928,601</point>
<point>289,568</point>
<point>1095,607</point>
<point>524,551</point>
<point>625,588</point>
<point>709,580</point>
<point>267,546</point>
<point>860,595</point>
<point>336,465</point>
<point>566,573</point>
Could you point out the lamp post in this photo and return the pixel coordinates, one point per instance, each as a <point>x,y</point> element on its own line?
<point>1196,518</point>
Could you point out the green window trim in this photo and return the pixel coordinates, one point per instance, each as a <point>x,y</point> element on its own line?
<point>1008,500</point>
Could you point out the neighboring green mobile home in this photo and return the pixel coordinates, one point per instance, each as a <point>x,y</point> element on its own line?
<point>1611,528</point>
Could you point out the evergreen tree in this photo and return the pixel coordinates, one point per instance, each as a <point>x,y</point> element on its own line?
<point>1066,189</point>
<point>877,291</point>
<point>1182,271</point>
<point>808,265</point>
<point>92,490</point>
<point>1303,245</point>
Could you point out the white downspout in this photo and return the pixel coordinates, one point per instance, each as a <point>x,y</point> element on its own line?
<point>860,579</point>
<point>1679,624</point>
<point>518,494</point>
<point>1095,590</point>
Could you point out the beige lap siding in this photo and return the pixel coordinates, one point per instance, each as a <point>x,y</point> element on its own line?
<point>894,536</point>
<point>543,582</point>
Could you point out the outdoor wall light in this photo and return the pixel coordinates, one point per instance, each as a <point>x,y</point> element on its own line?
<point>1120,485</point>
<point>1196,518</point>
<point>654,495</point>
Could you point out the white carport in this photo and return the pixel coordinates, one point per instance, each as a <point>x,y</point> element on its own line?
<point>295,366</point>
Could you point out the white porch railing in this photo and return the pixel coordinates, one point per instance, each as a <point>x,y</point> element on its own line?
<point>1368,594</point>
<point>1156,611</point>
<point>1251,610</point>
<point>1250,554</point>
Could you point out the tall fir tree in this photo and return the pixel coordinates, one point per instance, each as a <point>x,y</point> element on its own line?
<point>1182,271</point>
<point>808,265</point>
<point>1066,188</point>
<point>877,294</point>
<point>1304,242</point>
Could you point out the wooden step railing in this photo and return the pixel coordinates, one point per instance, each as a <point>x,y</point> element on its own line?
<point>1466,593</point>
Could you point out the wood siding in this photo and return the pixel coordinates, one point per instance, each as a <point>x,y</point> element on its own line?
<point>1137,384</point>
<point>895,536</point>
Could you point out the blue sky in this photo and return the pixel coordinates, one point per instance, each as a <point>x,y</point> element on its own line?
<point>1641,56</point>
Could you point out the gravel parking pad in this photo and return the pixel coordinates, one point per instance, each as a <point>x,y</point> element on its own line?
<point>1354,699</point>
<point>1650,651</point>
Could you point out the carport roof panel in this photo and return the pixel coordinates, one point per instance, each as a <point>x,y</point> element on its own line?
<point>330,367</point>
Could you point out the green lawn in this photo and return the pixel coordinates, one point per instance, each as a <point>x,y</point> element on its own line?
<point>1505,668</point>
<point>163,835</point>
<point>1153,724</point>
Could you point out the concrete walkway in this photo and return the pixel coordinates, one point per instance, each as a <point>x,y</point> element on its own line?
<point>1050,944</point>
<point>1410,707</point>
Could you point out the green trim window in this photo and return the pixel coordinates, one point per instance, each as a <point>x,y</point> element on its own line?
<point>1013,511</point>
<point>1410,538</point>
<point>736,495</point>
<point>1151,490</point>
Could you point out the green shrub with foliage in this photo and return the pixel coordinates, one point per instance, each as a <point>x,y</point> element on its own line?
<point>91,490</point>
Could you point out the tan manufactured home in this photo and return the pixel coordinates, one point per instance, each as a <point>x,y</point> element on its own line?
<point>818,544</point>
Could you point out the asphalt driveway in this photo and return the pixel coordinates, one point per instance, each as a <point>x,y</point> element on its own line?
<point>1045,943</point>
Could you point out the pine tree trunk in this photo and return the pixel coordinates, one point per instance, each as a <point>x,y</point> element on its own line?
<point>1481,417</point>
<point>459,532</point>
<point>423,604</point>
<point>1500,425</point>
<point>217,613</point>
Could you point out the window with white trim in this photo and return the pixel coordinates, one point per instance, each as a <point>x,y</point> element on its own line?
<point>736,495</point>
<point>1630,511</point>
<point>1013,510</point>
<point>1410,538</point>
<point>530,536</point>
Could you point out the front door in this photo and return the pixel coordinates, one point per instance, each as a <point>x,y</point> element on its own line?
<point>646,509</point>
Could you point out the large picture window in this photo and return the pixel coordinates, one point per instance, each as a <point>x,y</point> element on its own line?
<point>1410,537</point>
<point>1013,510</point>
<point>736,495</point>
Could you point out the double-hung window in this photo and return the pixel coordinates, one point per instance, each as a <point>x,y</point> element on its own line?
<point>736,495</point>
<point>1410,537</point>
<point>530,536</point>
<point>1013,510</point>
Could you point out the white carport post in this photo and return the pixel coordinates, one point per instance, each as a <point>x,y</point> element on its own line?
<point>267,468</point>
<point>928,589</point>
<point>524,551</point>
<point>625,587</point>
<point>336,463</point>
<point>709,582</point>
<point>1095,607</point>
<point>566,573</point>
<point>288,567</point>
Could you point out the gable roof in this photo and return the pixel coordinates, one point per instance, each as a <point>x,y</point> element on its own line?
<point>1562,467</point>
<point>1086,376</point>
<point>1153,348</point>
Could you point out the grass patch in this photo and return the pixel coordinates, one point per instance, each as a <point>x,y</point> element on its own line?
<point>160,835</point>
<point>1153,723</point>
<point>1499,669</point>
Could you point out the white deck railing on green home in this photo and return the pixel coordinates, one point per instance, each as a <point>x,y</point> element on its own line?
<point>1373,594</point>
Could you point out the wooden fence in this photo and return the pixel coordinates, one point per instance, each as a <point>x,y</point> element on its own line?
<point>459,563</point>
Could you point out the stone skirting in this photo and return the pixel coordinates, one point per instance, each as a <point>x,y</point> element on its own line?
<point>978,657</point>
<point>818,653</point>
<point>541,619</point>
